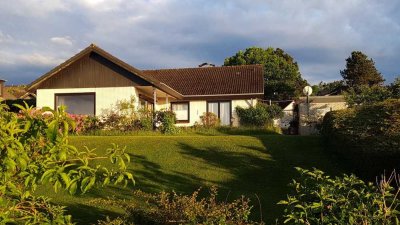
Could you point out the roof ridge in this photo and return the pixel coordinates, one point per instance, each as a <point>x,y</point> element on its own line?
<point>214,67</point>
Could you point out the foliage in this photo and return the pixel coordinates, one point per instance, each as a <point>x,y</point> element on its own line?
<point>12,102</point>
<point>394,88</point>
<point>366,95</point>
<point>374,128</point>
<point>281,73</point>
<point>126,117</point>
<point>334,87</point>
<point>35,150</point>
<point>166,119</point>
<point>261,115</point>
<point>209,120</point>
<point>368,135</point>
<point>321,199</point>
<point>173,208</point>
<point>361,71</point>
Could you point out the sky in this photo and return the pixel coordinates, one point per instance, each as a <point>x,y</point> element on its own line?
<point>37,35</point>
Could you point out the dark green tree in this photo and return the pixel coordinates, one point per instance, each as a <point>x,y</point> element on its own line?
<point>395,88</point>
<point>282,76</point>
<point>330,88</point>
<point>361,71</point>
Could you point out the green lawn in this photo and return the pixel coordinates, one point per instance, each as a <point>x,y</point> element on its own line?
<point>250,165</point>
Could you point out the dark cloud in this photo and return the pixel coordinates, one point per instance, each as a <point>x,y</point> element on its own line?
<point>38,35</point>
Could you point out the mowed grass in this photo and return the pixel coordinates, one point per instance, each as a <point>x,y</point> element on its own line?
<point>253,166</point>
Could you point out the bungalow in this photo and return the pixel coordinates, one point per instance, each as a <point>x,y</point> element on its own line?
<point>93,80</point>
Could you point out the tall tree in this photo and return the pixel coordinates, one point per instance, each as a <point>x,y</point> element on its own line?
<point>361,71</point>
<point>281,73</point>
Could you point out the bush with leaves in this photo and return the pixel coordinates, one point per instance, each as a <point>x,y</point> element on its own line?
<point>166,120</point>
<point>259,116</point>
<point>321,199</point>
<point>173,208</point>
<point>370,128</point>
<point>367,135</point>
<point>35,150</point>
<point>210,120</point>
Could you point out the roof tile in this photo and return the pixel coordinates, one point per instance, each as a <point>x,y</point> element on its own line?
<point>245,79</point>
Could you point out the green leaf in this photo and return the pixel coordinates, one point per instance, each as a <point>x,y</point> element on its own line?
<point>84,183</point>
<point>128,158</point>
<point>90,184</point>
<point>22,163</point>
<point>65,178</point>
<point>106,181</point>
<point>72,187</point>
<point>52,130</point>
<point>47,174</point>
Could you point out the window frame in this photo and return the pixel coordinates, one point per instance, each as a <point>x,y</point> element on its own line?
<point>219,111</point>
<point>188,113</point>
<point>73,94</point>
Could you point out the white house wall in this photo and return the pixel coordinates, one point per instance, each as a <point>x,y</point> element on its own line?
<point>106,98</point>
<point>198,108</point>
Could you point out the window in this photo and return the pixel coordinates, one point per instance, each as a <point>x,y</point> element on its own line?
<point>77,103</point>
<point>181,110</point>
<point>222,109</point>
<point>144,104</point>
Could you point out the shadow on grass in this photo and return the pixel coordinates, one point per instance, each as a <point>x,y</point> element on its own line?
<point>263,173</point>
<point>84,214</point>
<point>262,165</point>
<point>151,178</point>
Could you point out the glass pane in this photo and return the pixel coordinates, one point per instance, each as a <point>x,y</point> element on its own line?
<point>213,107</point>
<point>225,113</point>
<point>181,110</point>
<point>77,104</point>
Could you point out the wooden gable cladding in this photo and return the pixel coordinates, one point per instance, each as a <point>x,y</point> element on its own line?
<point>91,71</point>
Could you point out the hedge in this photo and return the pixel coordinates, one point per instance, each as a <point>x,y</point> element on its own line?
<point>368,134</point>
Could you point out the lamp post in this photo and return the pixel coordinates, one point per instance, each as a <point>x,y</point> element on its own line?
<point>307,90</point>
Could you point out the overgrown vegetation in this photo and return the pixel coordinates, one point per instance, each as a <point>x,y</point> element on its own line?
<point>261,115</point>
<point>165,122</point>
<point>35,150</point>
<point>368,134</point>
<point>172,208</point>
<point>321,199</point>
<point>209,120</point>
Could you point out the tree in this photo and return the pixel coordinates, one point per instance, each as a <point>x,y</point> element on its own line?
<point>330,88</point>
<point>361,71</point>
<point>395,87</point>
<point>365,95</point>
<point>282,76</point>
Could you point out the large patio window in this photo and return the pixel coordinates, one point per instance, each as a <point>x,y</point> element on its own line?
<point>77,103</point>
<point>222,109</point>
<point>181,110</point>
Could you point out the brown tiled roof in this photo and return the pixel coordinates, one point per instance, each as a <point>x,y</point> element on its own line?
<point>225,80</point>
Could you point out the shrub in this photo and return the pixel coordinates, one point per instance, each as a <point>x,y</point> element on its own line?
<point>173,208</point>
<point>35,150</point>
<point>371,128</point>
<point>209,120</point>
<point>260,115</point>
<point>321,199</point>
<point>167,121</point>
<point>367,134</point>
